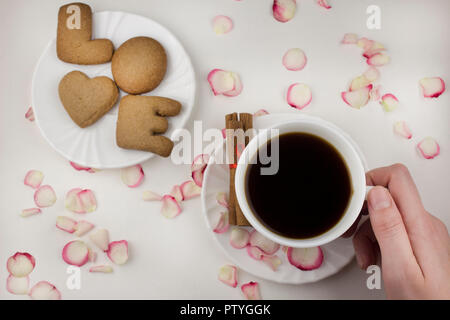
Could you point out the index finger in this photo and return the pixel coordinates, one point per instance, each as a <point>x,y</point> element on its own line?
<point>401,186</point>
<point>398,180</point>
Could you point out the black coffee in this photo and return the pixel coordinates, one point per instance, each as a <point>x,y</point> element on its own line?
<point>309,193</point>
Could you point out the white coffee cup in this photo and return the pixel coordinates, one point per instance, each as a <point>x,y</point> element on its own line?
<point>342,143</point>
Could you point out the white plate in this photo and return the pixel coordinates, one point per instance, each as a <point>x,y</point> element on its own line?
<point>95,146</point>
<point>216,179</point>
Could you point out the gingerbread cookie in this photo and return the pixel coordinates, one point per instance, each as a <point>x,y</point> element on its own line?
<point>139,65</point>
<point>140,118</point>
<point>87,100</point>
<point>73,41</point>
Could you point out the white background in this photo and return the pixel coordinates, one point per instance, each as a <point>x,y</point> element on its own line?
<point>176,259</point>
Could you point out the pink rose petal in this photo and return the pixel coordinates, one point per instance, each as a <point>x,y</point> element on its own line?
<point>132,176</point>
<point>44,196</point>
<point>432,87</point>
<point>284,10</point>
<point>29,114</point>
<point>44,290</point>
<point>429,148</point>
<point>33,178</point>
<point>222,24</point>
<point>299,95</point>
<point>222,224</point>
<point>305,258</point>
<point>251,291</point>
<point>228,275</point>
<point>170,207</point>
<point>294,59</point>
<point>118,252</point>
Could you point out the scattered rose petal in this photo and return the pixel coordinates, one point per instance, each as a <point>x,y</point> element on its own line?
<point>151,196</point>
<point>118,252</point>
<point>429,148</point>
<point>82,227</point>
<point>284,10</point>
<point>324,3</point>
<point>357,98</point>
<point>79,167</point>
<point>372,74</point>
<point>228,275</point>
<point>371,48</point>
<point>197,176</point>
<point>350,38</point>
<point>170,207</point>
<point>100,238</point>
<point>87,200</point>
<point>358,83</point>
<point>260,112</point>
<point>371,52</point>
<point>198,167</point>
<point>251,291</point>
<point>221,81</point>
<point>20,264</point>
<point>190,190</point>
<point>375,94</point>
<point>30,212</point>
<point>72,202</point>
<point>239,237</point>
<point>17,285</point>
<point>389,102</point>
<point>222,199</point>
<point>200,162</point>
<point>255,252</point>
<point>30,114</point>
<point>299,95</point>
<point>76,253</point>
<point>33,178</point>
<point>272,261</point>
<point>305,258</point>
<point>379,59</point>
<point>266,245</point>
<point>44,290</point>
<point>66,224</point>
<point>44,196</point>
<point>365,43</point>
<point>237,86</point>
<point>401,128</point>
<point>222,24</point>
<point>432,87</point>
<point>92,256</point>
<point>101,268</point>
<point>294,59</point>
<point>132,176</point>
<point>176,193</point>
<point>222,225</point>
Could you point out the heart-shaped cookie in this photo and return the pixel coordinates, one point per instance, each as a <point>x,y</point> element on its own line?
<point>87,100</point>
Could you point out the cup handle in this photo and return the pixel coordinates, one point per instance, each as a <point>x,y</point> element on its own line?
<point>368,188</point>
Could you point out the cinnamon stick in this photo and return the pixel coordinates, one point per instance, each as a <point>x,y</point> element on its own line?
<point>246,120</point>
<point>236,140</point>
<point>231,122</point>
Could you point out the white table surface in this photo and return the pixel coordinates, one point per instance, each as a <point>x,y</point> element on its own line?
<point>177,259</point>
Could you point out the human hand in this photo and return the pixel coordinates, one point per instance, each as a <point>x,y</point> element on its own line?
<point>414,245</point>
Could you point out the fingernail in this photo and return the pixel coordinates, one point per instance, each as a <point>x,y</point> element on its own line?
<point>379,198</point>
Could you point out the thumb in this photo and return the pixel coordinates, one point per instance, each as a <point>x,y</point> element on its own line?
<point>388,227</point>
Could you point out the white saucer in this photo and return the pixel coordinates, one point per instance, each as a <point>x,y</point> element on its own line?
<point>95,146</point>
<point>216,179</point>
